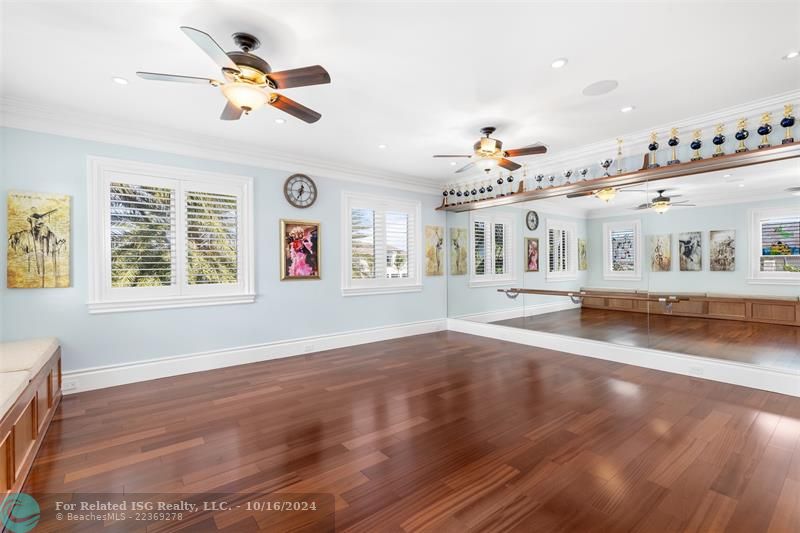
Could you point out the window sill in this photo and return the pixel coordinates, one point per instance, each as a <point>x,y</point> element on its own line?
<point>492,282</point>
<point>774,281</point>
<point>174,302</point>
<point>368,291</point>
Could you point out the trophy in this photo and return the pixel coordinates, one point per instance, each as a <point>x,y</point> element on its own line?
<point>605,163</point>
<point>764,130</point>
<point>741,135</point>
<point>474,193</point>
<point>673,142</point>
<point>787,122</point>
<point>719,140</point>
<point>583,173</point>
<point>510,180</point>
<point>696,144</point>
<point>552,180</point>
<point>620,170</point>
<point>445,194</point>
<point>539,178</point>
<point>567,175</point>
<point>653,147</point>
<point>499,185</point>
<point>489,187</point>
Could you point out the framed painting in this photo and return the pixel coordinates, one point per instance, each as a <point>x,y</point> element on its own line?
<point>531,254</point>
<point>434,250</point>
<point>39,240</point>
<point>661,253</point>
<point>722,250</point>
<point>300,253</point>
<point>690,246</point>
<point>458,251</point>
<point>583,258</point>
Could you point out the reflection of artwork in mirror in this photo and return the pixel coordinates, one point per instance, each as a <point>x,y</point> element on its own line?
<point>660,253</point>
<point>722,250</point>
<point>38,240</point>
<point>458,251</point>
<point>434,250</point>
<point>300,256</point>
<point>583,259</point>
<point>531,254</point>
<point>691,251</point>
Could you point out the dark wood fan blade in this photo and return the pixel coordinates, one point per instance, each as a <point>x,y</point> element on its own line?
<point>210,47</point>
<point>300,77</point>
<point>174,77</point>
<point>450,155</point>
<point>643,206</point>
<point>466,167</point>
<point>580,194</point>
<point>683,205</point>
<point>293,108</point>
<point>528,150</point>
<point>508,164</point>
<point>231,112</point>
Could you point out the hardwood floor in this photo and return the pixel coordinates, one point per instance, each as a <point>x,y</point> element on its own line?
<point>442,432</point>
<point>769,345</point>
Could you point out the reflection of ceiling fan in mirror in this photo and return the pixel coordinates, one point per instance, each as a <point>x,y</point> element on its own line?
<point>488,153</point>
<point>248,81</point>
<point>607,194</point>
<point>661,204</point>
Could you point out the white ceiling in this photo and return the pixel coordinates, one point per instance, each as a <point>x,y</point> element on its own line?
<point>419,77</point>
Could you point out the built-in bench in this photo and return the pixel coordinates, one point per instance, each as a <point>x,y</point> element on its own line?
<point>747,308</point>
<point>30,389</point>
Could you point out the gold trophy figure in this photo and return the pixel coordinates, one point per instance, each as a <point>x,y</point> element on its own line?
<point>673,142</point>
<point>696,144</point>
<point>653,147</point>
<point>719,140</point>
<point>787,122</point>
<point>741,135</point>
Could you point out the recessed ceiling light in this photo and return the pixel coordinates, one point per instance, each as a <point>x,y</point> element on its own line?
<point>628,108</point>
<point>600,87</point>
<point>382,146</point>
<point>726,175</point>
<point>794,190</point>
<point>119,81</point>
<point>741,185</point>
<point>280,121</point>
<point>558,63</point>
<point>452,163</point>
<point>792,54</point>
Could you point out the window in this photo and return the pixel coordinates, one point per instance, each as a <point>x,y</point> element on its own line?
<point>381,245</point>
<point>492,255</point>
<point>622,250</point>
<point>164,237</point>
<point>562,251</point>
<point>775,245</point>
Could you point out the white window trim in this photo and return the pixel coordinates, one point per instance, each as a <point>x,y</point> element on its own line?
<point>608,227</point>
<point>104,299</point>
<point>492,280</point>
<point>413,283</point>
<point>571,274</point>
<point>756,277</point>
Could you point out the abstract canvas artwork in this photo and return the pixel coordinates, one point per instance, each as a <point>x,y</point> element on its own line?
<point>458,251</point>
<point>660,253</point>
<point>39,240</point>
<point>301,250</point>
<point>583,258</point>
<point>690,247</point>
<point>434,250</point>
<point>531,254</point>
<point>722,250</point>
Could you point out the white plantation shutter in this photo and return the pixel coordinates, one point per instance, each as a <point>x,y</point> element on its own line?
<point>622,250</point>
<point>382,245</point>
<point>212,238</point>
<point>558,250</point>
<point>492,250</point>
<point>479,240</point>
<point>780,244</point>
<point>499,248</point>
<point>561,251</point>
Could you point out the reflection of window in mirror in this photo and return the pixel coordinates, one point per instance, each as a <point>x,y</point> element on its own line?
<point>562,251</point>
<point>775,245</point>
<point>492,253</point>
<point>622,250</point>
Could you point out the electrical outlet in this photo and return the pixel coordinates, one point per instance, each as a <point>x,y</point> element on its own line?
<point>68,385</point>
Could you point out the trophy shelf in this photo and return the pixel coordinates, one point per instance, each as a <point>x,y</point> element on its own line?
<point>643,175</point>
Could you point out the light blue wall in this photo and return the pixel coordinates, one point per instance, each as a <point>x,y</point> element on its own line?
<point>465,300</point>
<point>283,310</point>
<point>678,220</point>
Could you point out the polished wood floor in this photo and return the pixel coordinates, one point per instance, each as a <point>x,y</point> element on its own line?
<point>769,345</point>
<point>443,432</point>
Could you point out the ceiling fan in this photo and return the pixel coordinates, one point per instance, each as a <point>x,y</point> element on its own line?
<point>248,82</point>
<point>606,194</point>
<point>488,153</point>
<point>661,204</point>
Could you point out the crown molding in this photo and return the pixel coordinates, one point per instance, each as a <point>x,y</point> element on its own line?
<point>23,114</point>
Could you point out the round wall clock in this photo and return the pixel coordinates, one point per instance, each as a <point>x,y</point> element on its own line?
<point>300,190</point>
<point>532,220</point>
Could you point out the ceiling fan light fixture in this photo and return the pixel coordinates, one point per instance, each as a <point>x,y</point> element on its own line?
<point>245,96</point>
<point>660,207</point>
<point>488,145</point>
<point>606,194</point>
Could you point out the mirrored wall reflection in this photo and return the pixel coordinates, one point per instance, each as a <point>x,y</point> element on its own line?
<point>705,265</point>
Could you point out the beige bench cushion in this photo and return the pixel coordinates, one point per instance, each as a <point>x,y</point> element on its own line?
<point>11,386</point>
<point>26,355</point>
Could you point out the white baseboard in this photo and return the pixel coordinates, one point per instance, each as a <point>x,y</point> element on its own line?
<point>518,312</point>
<point>109,376</point>
<point>783,382</point>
